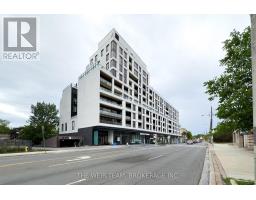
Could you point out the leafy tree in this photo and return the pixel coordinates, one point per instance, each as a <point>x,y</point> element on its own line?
<point>43,114</point>
<point>223,132</point>
<point>233,88</point>
<point>4,126</point>
<point>189,135</point>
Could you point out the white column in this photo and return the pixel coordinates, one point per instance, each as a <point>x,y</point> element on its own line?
<point>110,137</point>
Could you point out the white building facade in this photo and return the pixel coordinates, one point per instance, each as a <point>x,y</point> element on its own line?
<point>113,103</point>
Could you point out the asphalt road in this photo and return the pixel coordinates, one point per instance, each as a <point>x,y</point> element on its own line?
<point>139,164</point>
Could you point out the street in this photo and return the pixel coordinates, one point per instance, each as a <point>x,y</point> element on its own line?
<point>175,164</point>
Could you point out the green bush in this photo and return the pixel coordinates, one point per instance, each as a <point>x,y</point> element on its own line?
<point>12,149</point>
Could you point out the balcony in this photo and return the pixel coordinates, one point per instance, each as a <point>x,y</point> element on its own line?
<point>105,89</point>
<point>110,122</point>
<point>110,101</point>
<point>109,113</point>
<point>128,118</point>
<point>105,83</point>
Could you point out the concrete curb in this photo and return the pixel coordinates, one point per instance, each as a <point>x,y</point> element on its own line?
<point>217,173</point>
<point>205,176</point>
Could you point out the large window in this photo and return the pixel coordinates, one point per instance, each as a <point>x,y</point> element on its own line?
<point>73,125</point>
<point>121,50</point>
<point>113,49</point>
<point>113,63</point>
<point>113,72</point>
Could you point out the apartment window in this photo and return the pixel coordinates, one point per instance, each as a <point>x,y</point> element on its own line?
<point>101,53</point>
<point>66,126</point>
<point>133,115</point>
<point>113,72</point>
<point>107,66</point>
<point>96,58</point>
<point>121,50</point>
<point>113,49</point>
<point>107,57</point>
<point>125,55</point>
<point>91,62</point>
<point>120,68</point>
<point>125,75</point>
<point>120,77</point>
<point>73,125</point>
<point>134,107</point>
<point>113,63</point>
<point>116,36</point>
<point>125,63</point>
<point>135,65</point>
<point>107,48</point>
<point>121,60</point>
<point>136,72</point>
<point>62,127</point>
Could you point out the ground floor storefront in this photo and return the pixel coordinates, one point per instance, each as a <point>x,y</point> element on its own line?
<point>114,136</point>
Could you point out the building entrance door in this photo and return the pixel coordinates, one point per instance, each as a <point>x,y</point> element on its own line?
<point>103,138</point>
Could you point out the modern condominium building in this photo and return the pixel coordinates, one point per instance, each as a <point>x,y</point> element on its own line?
<point>113,103</point>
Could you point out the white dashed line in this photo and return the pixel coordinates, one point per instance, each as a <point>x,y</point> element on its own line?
<point>79,158</point>
<point>155,157</point>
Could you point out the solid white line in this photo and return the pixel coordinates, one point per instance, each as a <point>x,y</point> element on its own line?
<point>72,183</point>
<point>155,157</point>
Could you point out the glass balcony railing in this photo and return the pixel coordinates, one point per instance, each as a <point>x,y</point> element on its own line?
<point>105,82</point>
<point>109,113</point>
<point>110,122</point>
<point>110,101</point>
<point>105,89</point>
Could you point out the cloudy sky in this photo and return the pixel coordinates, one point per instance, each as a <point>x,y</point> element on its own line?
<point>181,52</point>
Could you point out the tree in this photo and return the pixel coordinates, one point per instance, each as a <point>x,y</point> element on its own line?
<point>189,135</point>
<point>223,132</point>
<point>43,114</point>
<point>4,126</point>
<point>233,88</point>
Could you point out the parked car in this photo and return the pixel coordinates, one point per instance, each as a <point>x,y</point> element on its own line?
<point>189,142</point>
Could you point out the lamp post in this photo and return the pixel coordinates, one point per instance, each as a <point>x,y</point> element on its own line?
<point>253,52</point>
<point>43,138</point>
<point>211,123</point>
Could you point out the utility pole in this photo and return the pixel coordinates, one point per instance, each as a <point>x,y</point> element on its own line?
<point>43,138</point>
<point>253,47</point>
<point>211,120</point>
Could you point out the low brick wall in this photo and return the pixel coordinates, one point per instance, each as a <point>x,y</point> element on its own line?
<point>243,140</point>
<point>249,140</point>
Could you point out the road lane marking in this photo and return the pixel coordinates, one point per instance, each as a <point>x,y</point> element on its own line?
<point>79,158</point>
<point>50,159</point>
<point>79,181</point>
<point>111,156</point>
<point>155,157</point>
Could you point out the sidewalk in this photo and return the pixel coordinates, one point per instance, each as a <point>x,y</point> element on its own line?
<point>237,162</point>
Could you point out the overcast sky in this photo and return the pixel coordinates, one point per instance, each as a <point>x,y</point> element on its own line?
<point>180,51</point>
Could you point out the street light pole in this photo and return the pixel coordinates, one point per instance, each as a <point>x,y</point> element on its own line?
<point>211,120</point>
<point>43,138</point>
<point>253,47</point>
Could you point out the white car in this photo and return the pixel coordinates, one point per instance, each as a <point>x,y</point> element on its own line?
<point>189,141</point>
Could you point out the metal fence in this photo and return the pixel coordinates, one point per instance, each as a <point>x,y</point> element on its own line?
<point>15,142</point>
